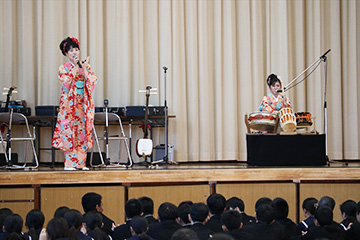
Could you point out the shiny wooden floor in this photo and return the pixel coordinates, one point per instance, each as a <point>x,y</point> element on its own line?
<point>184,173</point>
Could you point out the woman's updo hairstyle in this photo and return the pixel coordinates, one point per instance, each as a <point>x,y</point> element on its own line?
<point>272,79</point>
<point>69,43</point>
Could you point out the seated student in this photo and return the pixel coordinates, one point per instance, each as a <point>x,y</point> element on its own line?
<point>93,223</point>
<point>34,222</point>
<point>329,202</point>
<point>232,224</point>
<point>221,236</point>
<point>57,228</point>
<point>265,228</point>
<point>350,224</point>
<point>324,228</point>
<point>75,222</point>
<point>358,212</point>
<point>93,202</point>
<point>199,215</point>
<point>237,204</point>
<point>148,209</point>
<point>163,230</point>
<point>216,204</point>
<point>4,213</point>
<point>262,200</point>
<point>185,234</point>
<point>60,211</point>
<point>12,224</point>
<point>183,211</point>
<point>309,207</point>
<point>139,226</point>
<point>133,208</point>
<point>281,216</point>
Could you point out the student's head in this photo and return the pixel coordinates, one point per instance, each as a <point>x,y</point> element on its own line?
<point>93,220</point>
<point>139,225</point>
<point>183,212</point>
<point>235,203</point>
<point>34,219</point>
<point>4,213</point>
<point>74,219</point>
<point>281,208</point>
<point>185,234</point>
<point>263,200</point>
<point>323,216</point>
<point>133,208</point>
<point>216,203</point>
<point>167,211</point>
<point>221,236</point>
<point>60,211</point>
<point>199,212</point>
<point>265,213</point>
<point>92,202</point>
<point>327,201</point>
<point>13,223</point>
<point>57,228</point>
<point>68,44</point>
<point>348,209</point>
<point>309,205</point>
<point>232,220</point>
<point>147,205</point>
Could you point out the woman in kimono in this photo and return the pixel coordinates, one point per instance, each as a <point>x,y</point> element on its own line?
<point>73,131</point>
<point>274,101</point>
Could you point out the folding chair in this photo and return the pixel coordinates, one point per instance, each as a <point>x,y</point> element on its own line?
<point>8,118</point>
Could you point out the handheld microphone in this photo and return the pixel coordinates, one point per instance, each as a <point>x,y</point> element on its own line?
<point>78,62</point>
<point>165,68</point>
<point>279,90</point>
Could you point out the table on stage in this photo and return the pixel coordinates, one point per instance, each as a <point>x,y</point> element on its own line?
<point>286,150</point>
<point>50,121</point>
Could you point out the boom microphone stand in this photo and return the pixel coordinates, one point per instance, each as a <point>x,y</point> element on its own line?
<point>321,58</point>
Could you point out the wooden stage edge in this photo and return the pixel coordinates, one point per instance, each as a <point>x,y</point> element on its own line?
<point>177,174</point>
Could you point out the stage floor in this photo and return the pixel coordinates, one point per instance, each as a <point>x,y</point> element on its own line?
<point>199,172</point>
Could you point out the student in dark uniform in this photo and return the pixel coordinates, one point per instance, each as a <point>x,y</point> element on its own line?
<point>324,228</point>
<point>34,222</point>
<point>184,234</point>
<point>232,224</point>
<point>164,229</point>
<point>281,216</point>
<point>75,222</point>
<point>133,208</point>
<point>237,204</point>
<point>265,227</point>
<point>12,227</point>
<point>139,226</point>
<point>148,209</point>
<point>216,204</point>
<point>183,211</point>
<point>93,202</point>
<point>199,215</point>
<point>93,221</point>
<point>330,202</point>
<point>309,206</point>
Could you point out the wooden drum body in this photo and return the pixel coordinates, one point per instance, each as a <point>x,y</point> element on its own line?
<point>287,120</point>
<point>303,119</point>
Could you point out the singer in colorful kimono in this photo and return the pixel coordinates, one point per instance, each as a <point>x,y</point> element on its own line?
<point>73,131</point>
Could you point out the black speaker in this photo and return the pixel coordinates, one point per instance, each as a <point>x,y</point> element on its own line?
<point>14,158</point>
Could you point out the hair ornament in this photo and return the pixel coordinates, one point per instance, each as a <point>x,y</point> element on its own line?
<point>75,40</point>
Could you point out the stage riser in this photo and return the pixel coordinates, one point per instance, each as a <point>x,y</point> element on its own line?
<point>21,200</point>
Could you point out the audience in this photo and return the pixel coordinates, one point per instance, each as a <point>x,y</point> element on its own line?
<point>237,204</point>
<point>163,230</point>
<point>148,209</point>
<point>133,208</point>
<point>139,226</point>
<point>232,224</point>
<point>34,222</point>
<point>199,215</point>
<point>190,221</point>
<point>216,204</point>
<point>309,206</point>
<point>281,217</point>
<point>324,228</point>
<point>93,202</point>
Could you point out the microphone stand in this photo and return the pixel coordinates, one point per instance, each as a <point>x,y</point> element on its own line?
<point>107,160</point>
<point>321,58</point>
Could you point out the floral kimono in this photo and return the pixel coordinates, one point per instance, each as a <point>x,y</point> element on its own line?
<point>73,131</point>
<point>270,103</point>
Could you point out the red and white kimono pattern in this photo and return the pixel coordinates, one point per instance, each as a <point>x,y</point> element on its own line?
<point>73,131</point>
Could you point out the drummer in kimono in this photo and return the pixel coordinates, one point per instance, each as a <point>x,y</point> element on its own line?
<point>73,131</point>
<point>274,101</point>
